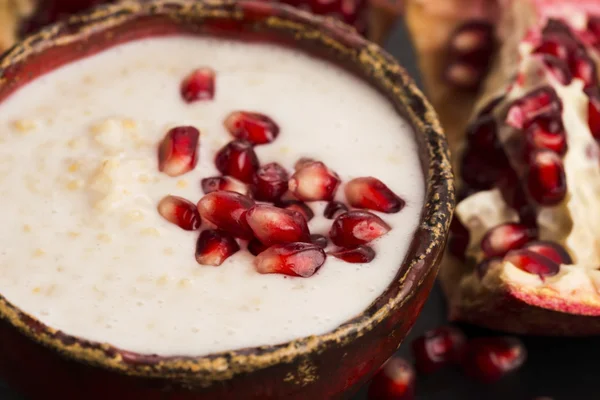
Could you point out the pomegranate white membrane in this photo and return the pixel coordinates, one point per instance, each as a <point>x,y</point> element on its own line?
<point>85,250</point>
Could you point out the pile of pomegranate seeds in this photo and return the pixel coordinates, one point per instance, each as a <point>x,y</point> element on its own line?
<point>486,359</point>
<point>276,230</point>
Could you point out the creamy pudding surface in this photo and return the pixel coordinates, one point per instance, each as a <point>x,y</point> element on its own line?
<point>85,250</point>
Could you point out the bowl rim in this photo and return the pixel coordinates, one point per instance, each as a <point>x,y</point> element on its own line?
<point>427,243</point>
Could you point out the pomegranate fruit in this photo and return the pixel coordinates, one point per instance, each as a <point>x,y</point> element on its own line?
<point>395,380</point>
<point>180,212</point>
<point>438,348</point>
<point>529,160</point>
<point>214,247</point>
<point>178,151</point>
<point>293,259</point>
<point>227,211</point>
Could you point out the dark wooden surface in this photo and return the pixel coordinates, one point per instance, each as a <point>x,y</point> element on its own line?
<point>561,368</point>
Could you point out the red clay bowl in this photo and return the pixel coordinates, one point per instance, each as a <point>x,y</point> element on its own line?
<point>42,362</point>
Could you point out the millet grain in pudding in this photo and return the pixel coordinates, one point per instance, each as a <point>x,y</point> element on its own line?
<point>84,248</point>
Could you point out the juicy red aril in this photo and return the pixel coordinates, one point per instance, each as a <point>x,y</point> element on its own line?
<point>373,194</point>
<point>584,68</point>
<point>270,182</point>
<point>489,359</point>
<point>300,207</point>
<point>358,255</point>
<point>198,85</point>
<point>484,266</point>
<point>319,240</point>
<point>481,134</point>
<point>558,68</point>
<point>505,237</point>
<point>178,151</point>
<point>180,212</point>
<point>357,227</point>
<point>255,247</point>
<point>254,127</point>
<point>293,259</point>
<point>333,209</point>
<point>458,241</point>
<point>546,133</point>
<point>551,250</point>
<point>272,225</point>
<point>546,180</point>
<point>395,380</point>
<point>215,246</point>
<point>215,183</point>
<point>438,348</point>
<point>532,262</point>
<point>594,114</point>
<point>313,182</point>
<point>227,211</point>
<point>539,102</point>
<point>237,159</point>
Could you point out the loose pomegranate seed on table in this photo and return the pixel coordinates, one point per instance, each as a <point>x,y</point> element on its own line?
<point>272,225</point>
<point>227,211</point>
<point>237,159</point>
<point>199,85</point>
<point>395,380</point>
<point>438,348</point>
<point>371,193</point>
<point>505,237</point>
<point>293,259</point>
<point>180,212</point>
<point>357,227</point>
<point>358,255</point>
<point>227,183</point>
<point>489,359</point>
<point>178,151</point>
<point>214,247</point>
<point>254,127</point>
<point>313,182</point>
<point>270,182</point>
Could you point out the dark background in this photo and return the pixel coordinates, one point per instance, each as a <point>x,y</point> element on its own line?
<point>564,369</point>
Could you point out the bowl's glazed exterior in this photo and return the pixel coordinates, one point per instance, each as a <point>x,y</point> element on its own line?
<point>42,362</point>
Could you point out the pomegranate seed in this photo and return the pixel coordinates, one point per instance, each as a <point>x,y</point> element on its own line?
<point>505,237</point>
<point>302,162</point>
<point>215,183</point>
<point>489,359</point>
<point>314,181</point>
<point>551,250</point>
<point>198,85</point>
<point>272,225</point>
<point>215,246</point>
<point>334,209</point>
<point>300,207</point>
<point>180,212</point>
<point>483,267</point>
<point>358,255</point>
<point>584,68</point>
<point>319,240</point>
<point>546,179</point>
<point>539,102</point>
<point>532,262</point>
<point>482,134</point>
<point>227,210</point>
<point>459,239</point>
<point>373,194</point>
<point>254,127</point>
<point>178,151</point>
<point>594,114</point>
<point>546,133</point>
<point>293,259</point>
<point>558,68</point>
<point>438,348</point>
<point>270,182</point>
<point>357,227</point>
<point>237,159</point>
<point>395,380</point>
<point>255,247</point>
<point>593,28</point>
